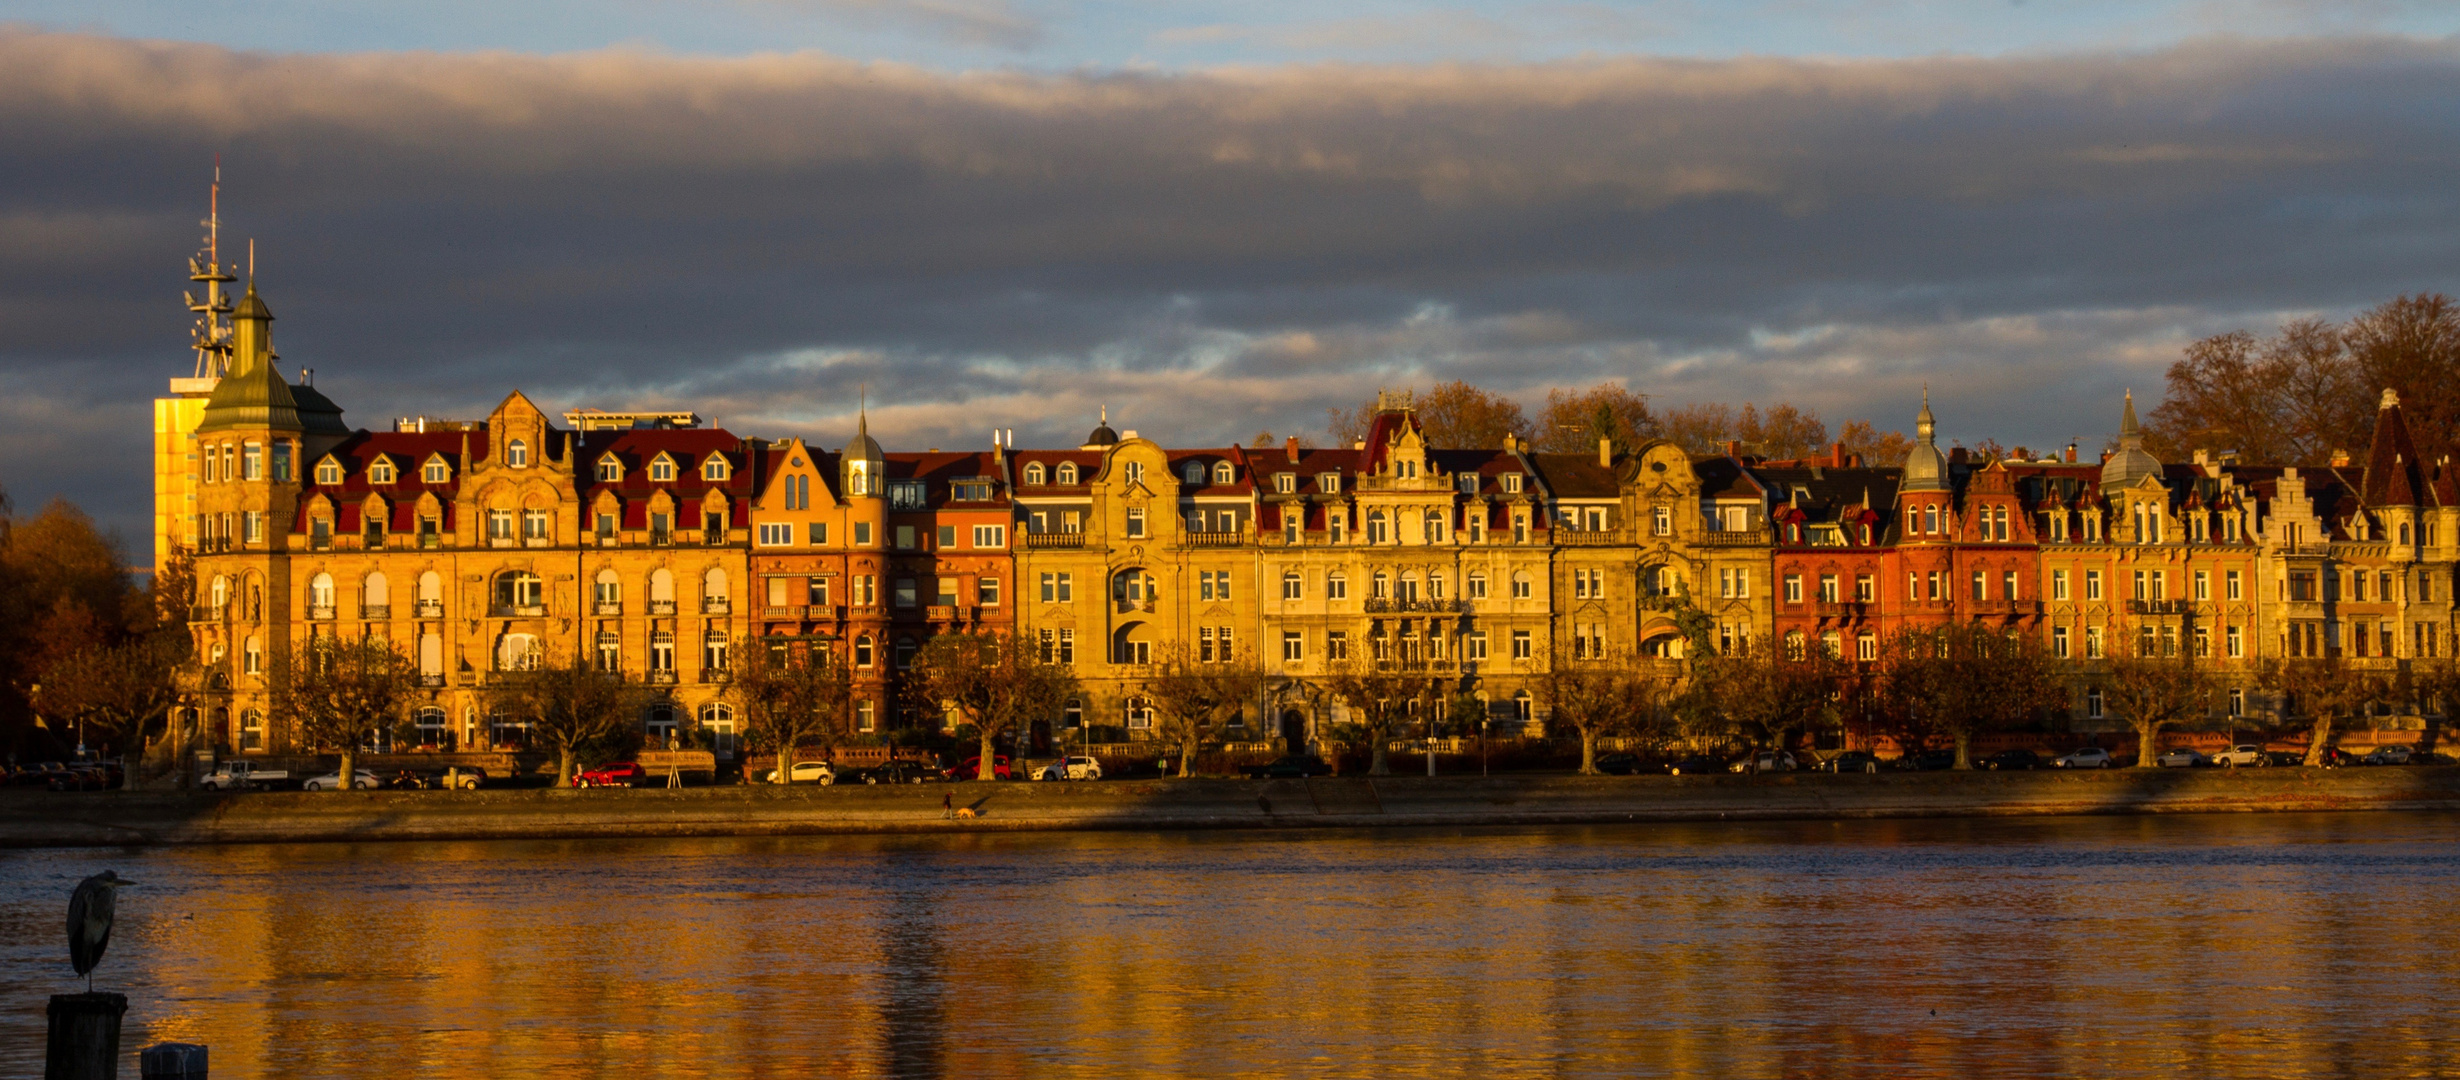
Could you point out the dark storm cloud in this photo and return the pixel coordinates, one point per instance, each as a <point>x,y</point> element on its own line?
<point>1207,253</point>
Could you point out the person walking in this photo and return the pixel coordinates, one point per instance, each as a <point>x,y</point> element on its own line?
<point>948,806</point>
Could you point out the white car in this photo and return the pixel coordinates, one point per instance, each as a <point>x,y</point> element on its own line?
<point>2183,758</point>
<point>808,772</point>
<point>2241,754</point>
<point>2091,757</point>
<point>332,781</point>
<point>1764,761</point>
<point>1071,768</point>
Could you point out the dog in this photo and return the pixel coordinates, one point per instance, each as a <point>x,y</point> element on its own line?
<point>965,812</point>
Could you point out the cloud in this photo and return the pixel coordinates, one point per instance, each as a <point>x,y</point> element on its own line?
<point>966,22</point>
<point>1206,252</point>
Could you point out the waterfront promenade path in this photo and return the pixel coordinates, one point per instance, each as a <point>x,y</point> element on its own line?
<point>45,819</point>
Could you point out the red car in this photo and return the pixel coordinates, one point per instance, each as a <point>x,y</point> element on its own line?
<point>973,765</point>
<point>613,774</point>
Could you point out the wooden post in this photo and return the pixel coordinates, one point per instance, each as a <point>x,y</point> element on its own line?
<point>172,1061</point>
<point>85,1037</point>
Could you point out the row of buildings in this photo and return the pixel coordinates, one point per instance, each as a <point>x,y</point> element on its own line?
<point>659,546</point>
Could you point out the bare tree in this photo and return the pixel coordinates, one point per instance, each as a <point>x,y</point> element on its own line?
<point>995,681</point>
<point>1958,680</point>
<point>118,691</point>
<point>570,702</point>
<point>2411,344</point>
<point>791,694</point>
<point>1762,691</point>
<point>1453,414</point>
<point>2155,693</point>
<point>1873,446</point>
<point>1193,697</point>
<point>342,694</point>
<point>1378,694</point>
<point>2324,690</point>
<point>1617,694</point>
<point>1574,420</point>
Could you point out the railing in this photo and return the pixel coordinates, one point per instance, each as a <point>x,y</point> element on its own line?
<point>376,611</point>
<point>431,681</point>
<point>1733,537</point>
<point>942,612</point>
<point>1386,606</point>
<point>208,613</point>
<point>1037,541</point>
<point>430,540</point>
<point>1843,609</point>
<point>660,538</point>
<point>1568,537</point>
<point>1214,539</point>
<point>661,607</point>
<point>2010,607</point>
<point>716,605</point>
<point>431,609</point>
<point>516,611</point>
<point>781,613</point>
<point>716,675</point>
<point>603,609</point>
<point>320,541</point>
<point>1130,606</point>
<point>320,612</point>
<point>537,541</point>
<point>713,537</point>
<point>606,539</point>
<point>2160,607</point>
<point>664,677</point>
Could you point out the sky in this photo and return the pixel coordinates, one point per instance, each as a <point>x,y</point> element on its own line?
<point>1211,219</point>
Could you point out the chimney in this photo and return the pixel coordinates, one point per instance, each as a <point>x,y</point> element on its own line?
<point>2071,453</point>
<point>1605,451</point>
<point>1836,455</point>
<point>1289,448</point>
<point>2340,459</point>
<point>1358,444</point>
<point>1733,448</point>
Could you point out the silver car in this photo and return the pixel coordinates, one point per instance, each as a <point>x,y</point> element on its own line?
<point>332,781</point>
<point>2091,757</point>
<point>2183,758</point>
<point>1071,768</point>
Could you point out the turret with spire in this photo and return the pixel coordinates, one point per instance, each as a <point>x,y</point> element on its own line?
<point>2131,464</point>
<point>1926,468</point>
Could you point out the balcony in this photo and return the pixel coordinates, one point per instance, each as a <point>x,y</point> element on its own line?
<point>517,611</point>
<point>1385,606</point>
<point>320,613</point>
<point>431,681</point>
<point>208,613</point>
<point>1038,541</point>
<point>1590,537</point>
<point>713,537</point>
<point>605,539</point>
<point>716,675</point>
<point>716,605</point>
<point>1127,606</point>
<point>603,609</point>
<point>781,613</point>
<point>537,542</point>
<point>943,612</point>
<point>661,607</point>
<point>1843,609</point>
<point>2160,607</point>
<point>430,541</point>
<point>1214,539</point>
<point>660,538</point>
<point>662,677</point>
<point>320,541</point>
<point>376,611</point>
<point>431,609</point>
<point>1733,538</point>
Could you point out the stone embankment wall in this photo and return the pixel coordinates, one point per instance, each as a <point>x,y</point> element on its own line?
<point>43,819</point>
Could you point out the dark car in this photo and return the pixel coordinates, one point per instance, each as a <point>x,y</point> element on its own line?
<point>2006,760</point>
<point>1928,761</point>
<point>1618,764</point>
<point>973,765</point>
<point>1290,767</point>
<point>2334,757</point>
<point>409,780</point>
<point>1852,761</point>
<point>81,778</point>
<point>1696,765</point>
<point>613,774</point>
<point>896,772</point>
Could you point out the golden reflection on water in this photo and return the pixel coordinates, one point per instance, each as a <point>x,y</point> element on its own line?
<point>2274,945</point>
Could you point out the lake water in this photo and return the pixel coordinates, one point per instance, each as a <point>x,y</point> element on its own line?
<point>2089,947</point>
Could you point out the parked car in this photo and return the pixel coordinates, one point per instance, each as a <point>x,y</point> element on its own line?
<point>1852,761</point>
<point>38,774</point>
<point>612,774</point>
<point>1290,767</point>
<point>2183,758</point>
<point>1618,764</point>
<point>410,780</point>
<point>2091,757</point>
<point>2388,755</point>
<point>2243,754</point>
<point>2009,760</point>
<point>1928,761</point>
<point>972,768</point>
<point>243,775</point>
<point>78,778</point>
<point>2334,757</point>
<point>360,779</point>
<point>807,772</point>
<point>894,772</point>
<point>461,778</point>
<point>1763,762</point>
<point>1071,768</point>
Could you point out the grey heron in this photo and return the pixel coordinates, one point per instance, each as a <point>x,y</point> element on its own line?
<point>89,921</point>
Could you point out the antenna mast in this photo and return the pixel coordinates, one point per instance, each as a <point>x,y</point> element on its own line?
<point>212,334</point>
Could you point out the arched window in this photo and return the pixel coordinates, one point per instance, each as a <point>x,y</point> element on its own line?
<point>517,454</point>
<point>1477,584</point>
<point>1409,588</point>
<point>1293,587</point>
<point>610,469</point>
<point>1194,472</point>
<point>1378,530</point>
<point>607,592</point>
<point>661,592</point>
<point>431,595</point>
<point>1521,585</point>
<point>862,651</point>
<point>1435,586</point>
<point>713,585</point>
<point>320,597</point>
<point>662,470</point>
<point>714,468</point>
<point>1224,473</point>
<point>516,652</point>
<point>718,720</point>
<point>221,593</point>
<point>378,595</point>
<point>251,730</point>
<point>1033,474</point>
<point>1336,586</point>
<point>1380,587</point>
<point>1133,588</point>
<point>432,723</point>
<point>519,592</point>
<point>1435,526</point>
<point>1067,472</point>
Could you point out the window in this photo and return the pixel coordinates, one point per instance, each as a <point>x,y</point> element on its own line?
<point>1134,472</point>
<point>1521,585</point>
<point>862,534</point>
<point>1981,586</point>
<point>519,590</point>
<point>534,525</point>
<point>435,471</point>
<point>1866,588</point>
<point>1336,645</point>
<point>517,454</point>
<point>2092,585</point>
<point>863,651</point>
<point>2092,702</point>
<point>2007,586</point>
<point>2203,585</point>
<point>1067,472</point>
<point>2092,643</point>
<point>1793,588</point>
<point>1661,521</point>
<point>2058,642</point>
<point>1336,586</point>
<point>328,471</point>
<point>1034,474</point>
<point>776,534</point>
<point>905,538</point>
<point>905,592</point>
<point>252,461</point>
<point>2237,701</point>
<point>1339,524</point>
<point>1376,531</point>
<point>2058,584</point>
<point>2203,642</point>
<point>986,591</point>
<point>1827,589</point>
<point>610,469</point>
<point>713,651</point>
<point>381,472</point>
<point>1139,713</point>
<point>866,715</point>
<point>1224,473</point>
<point>1434,526</point>
<point>1380,586</point>
<point>1285,483</point>
<point>1511,483</point>
<point>1135,521</point>
<point>662,470</point>
<point>1477,584</point>
<point>714,468</point>
<point>1520,645</point>
<point>1058,588</point>
<point>1328,483</point>
<point>1293,586</point>
<point>990,536</point>
<point>1293,647</point>
<point>499,524</point>
<point>252,656</point>
<point>1213,585</point>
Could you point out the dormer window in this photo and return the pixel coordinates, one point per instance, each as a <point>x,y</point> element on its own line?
<point>517,454</point>
<point>1469,483</point>
<point>436,471</point>
<point>1511,483</point>
<point>662,470</point>
<point>1033,474</point>
<point>610,469</point>
<point>714,469</point>
<point>1067,472</point>
<point>1406,470</point>
<point>381,472</point>
<point>1329,483</point>
<point>1286,483</point>
<point>971,491</point>
<point>906,495</point>
<point>1194,472</point>
<point>328,472</point>
<point>1225,473</point>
